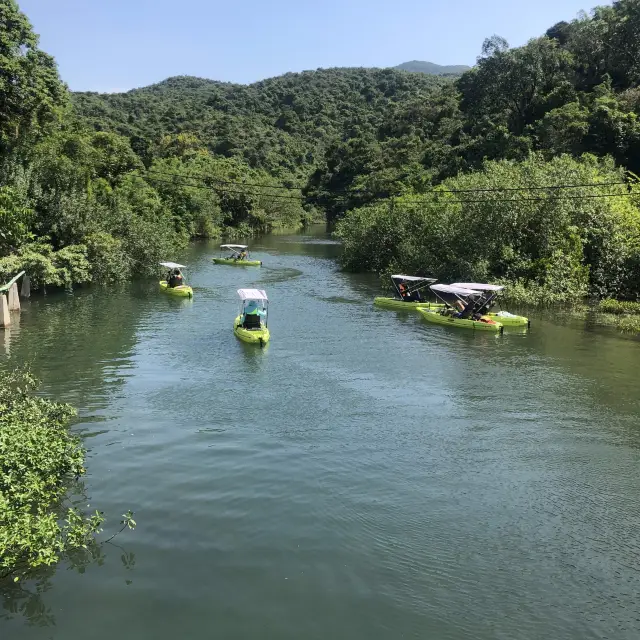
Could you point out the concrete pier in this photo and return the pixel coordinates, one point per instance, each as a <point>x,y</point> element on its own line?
<point>14,298</point>
<point>25,291</point>
<point>5,318</point>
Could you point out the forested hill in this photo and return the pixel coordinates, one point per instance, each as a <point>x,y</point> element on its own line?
<point>281,124</point>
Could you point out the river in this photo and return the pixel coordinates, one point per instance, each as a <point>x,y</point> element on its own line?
<point>365,476</point>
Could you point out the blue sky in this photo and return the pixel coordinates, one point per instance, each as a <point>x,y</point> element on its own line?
<point>114,45</point>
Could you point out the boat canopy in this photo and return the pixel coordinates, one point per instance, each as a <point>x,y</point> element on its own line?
<point>477,286</point>
<point>252,294</point>
<point>413,278</point>
<point>456,290</point>
<point>233,246</point>
<point>172,265</point>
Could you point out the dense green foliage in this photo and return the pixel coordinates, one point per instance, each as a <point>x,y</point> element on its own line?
<point>618,307</point>
<point>31,93</point>
<point>554,247</point>
<point>282,125</point>
<point>39,458</point>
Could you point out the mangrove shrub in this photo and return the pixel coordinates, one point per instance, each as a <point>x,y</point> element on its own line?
<point>498,224</point>
<point>39,459</point>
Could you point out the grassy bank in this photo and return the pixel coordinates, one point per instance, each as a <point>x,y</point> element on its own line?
<point>624,315</point>
<point>619,307</point>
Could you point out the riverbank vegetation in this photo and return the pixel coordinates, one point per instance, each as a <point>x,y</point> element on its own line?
<point>39,460</point>
<point>622,314</point>
<point>547,249</point>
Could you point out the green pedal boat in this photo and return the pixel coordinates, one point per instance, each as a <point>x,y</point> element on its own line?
<point>252,324</point>
<point>491,292</point>
<point>239,256</point>
<point>171,284</point>
<point>409,294</point>
<point>441,317</point>
<point>461,309</point>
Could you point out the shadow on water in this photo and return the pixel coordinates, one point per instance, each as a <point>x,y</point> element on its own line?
<point>26,601</point>
<point>272,275</point>
<point>254,355</point>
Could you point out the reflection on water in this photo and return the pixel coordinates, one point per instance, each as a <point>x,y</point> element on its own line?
<point>366,475</point>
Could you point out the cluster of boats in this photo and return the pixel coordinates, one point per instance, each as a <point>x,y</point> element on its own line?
<point>469,305</point>
<point>252,322</point>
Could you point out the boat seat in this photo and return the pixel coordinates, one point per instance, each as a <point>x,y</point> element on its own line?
<point>251,321</point>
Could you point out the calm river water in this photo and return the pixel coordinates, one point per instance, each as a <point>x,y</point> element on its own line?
<point>366,476</point>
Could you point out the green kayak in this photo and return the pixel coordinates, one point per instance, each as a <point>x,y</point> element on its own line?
<point>239,256</point>
<point>402,305</point>
<point>237,262</point>
<point>437,317</point>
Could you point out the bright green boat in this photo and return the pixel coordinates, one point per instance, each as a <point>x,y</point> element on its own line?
<point>409,294</point>
<point>253,327</point>
<point>440,317</point>
<point>402,305</point>
<point>239,256</point>
<point>491,292</point>
<point>181,290</point>
<point>460,305</point>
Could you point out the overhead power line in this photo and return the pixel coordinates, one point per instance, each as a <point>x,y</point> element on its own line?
<point>538,199</point>
<point>200,176</point>
<point>417,199</point>
<point>226,190</point>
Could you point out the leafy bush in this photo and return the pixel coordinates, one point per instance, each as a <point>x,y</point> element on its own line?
<point>109,261</point>
<point>556,248</point>
<point>46,267</point>
<point>618,307</point>
<point>39,459</point>
<point>15,219</point>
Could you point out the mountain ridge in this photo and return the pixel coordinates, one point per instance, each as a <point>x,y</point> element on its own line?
<point>412,66</point>
<point>430,68</point>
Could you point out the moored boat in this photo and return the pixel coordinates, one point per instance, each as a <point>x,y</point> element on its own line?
<point>492,292</point>
<point>459,309</point>
<point>409,294</point>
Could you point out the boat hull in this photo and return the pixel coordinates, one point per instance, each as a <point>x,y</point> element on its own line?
<point>238,263</point>
<point>450,321</point>
<point>252,336</point>
<point>400,305</point>
<point>513,321</point>
<point>183,291</point>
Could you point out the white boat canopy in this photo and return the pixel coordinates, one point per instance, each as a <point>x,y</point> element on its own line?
<point>252,294</point>
<point>414,278</point>
<point>172,265</point>
<point>459,291</point>
<point>477,286</point>
<point>233,246</point>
